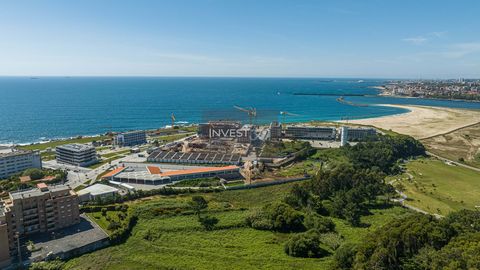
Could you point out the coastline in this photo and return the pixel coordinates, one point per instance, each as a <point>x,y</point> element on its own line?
<point>418,121</point>
<point>423,121</point>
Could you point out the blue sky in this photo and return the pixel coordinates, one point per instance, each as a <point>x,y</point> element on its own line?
<point>297,38</point>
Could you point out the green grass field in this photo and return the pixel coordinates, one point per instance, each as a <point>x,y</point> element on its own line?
<point>175,240</point>
<point>112,154</point>
<point>53,144</point>
<point>440,188</point>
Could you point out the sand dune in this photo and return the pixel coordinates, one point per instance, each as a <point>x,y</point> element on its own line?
<point>424,121</point>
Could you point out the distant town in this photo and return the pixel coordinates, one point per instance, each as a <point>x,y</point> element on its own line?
<point>462,89</point>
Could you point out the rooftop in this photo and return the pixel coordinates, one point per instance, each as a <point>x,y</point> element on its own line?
<point>10,152</point>
<point>35,192</point>
<point>133,132</point>
<point>114,172</point>
<point>97,189</point>
<point>154,170</point>
<point>76,147</point>
<point>199,170</point>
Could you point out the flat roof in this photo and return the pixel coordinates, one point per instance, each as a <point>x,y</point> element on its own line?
<point>97,189</point>
<point>76,147</point>
<point>34,192</point>
<point>10,152</point>
<point>133,132</point>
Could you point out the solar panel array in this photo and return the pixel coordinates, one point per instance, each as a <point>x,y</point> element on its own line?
<point>197,157</point>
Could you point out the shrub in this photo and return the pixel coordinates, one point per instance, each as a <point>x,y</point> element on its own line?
<point>278,217</point>
<point>208,222</point>
<point>56,264</point>
<point>344,256</point>
<point>306,245</point>
<point>113,226</point>
<point>332,240</point>
<point>320,224</point>
<point>259,220</point>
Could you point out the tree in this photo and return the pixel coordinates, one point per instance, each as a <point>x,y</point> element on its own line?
<point>208,222</point>
<point>198,204</point>
<point>306,245</point>
<point>352,213</point>
<point>344,256</point>
<point>277,217</point>
<point>314,221</point>
<point>34,174</point>
<point>113,226</point>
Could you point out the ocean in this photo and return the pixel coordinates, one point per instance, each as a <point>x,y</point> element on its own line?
<point>38,109</point>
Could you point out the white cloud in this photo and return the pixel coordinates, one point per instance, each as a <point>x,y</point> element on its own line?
<point>187,57</point>
<point>439,34</point>
<point>460,50</point>
<point>416,40</point>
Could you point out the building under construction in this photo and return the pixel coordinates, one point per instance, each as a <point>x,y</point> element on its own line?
<point>218,129</point>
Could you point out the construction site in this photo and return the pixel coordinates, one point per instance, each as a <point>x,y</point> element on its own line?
<point>252,147</point>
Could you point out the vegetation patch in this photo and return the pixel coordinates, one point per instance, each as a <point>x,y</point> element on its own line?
<point>437,187</point>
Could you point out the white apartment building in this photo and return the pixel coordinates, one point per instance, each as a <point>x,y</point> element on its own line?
<point>13,161</point>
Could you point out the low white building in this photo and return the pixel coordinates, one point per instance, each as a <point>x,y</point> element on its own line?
<point>96,191</point>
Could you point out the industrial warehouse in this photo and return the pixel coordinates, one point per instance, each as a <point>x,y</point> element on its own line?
<point>154,175</point>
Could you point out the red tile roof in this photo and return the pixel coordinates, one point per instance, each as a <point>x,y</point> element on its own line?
<point>112,173</point>
<point>42,185</point>
<point>199,170</point>
<point>154,170</point>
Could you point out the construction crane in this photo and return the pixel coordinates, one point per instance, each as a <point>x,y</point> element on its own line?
<point>172,117</point>
<point>345,118</point>
<point>252,112</point>
<point>284,115</point>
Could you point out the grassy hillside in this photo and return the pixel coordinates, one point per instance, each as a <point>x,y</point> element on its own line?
<point>462,145</point>
<point>440,188</point>
<point>168,236</point>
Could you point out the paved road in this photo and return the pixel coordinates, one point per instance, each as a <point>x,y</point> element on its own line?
<point>404,197</point>
<point>454,162</point>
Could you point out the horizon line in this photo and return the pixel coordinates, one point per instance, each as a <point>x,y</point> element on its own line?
<point>238,77</point>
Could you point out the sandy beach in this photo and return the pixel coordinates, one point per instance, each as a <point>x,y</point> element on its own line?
<point>424,121</point>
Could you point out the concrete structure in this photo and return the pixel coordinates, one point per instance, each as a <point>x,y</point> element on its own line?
<point>218,129</point>
<point>246,134</point>
<point>97,191</point>
<point>76,154</point>
<point>131,138</point>
<point>13,161</point>
<point>160,156</point>
<point>343,136</point>
<point>356,134</point>
<point>153,175</point>
<point>4,242</point>
<point>275,130</point>
<point>308,132</point>
<point>38,210</point>
<point>72,241</point>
